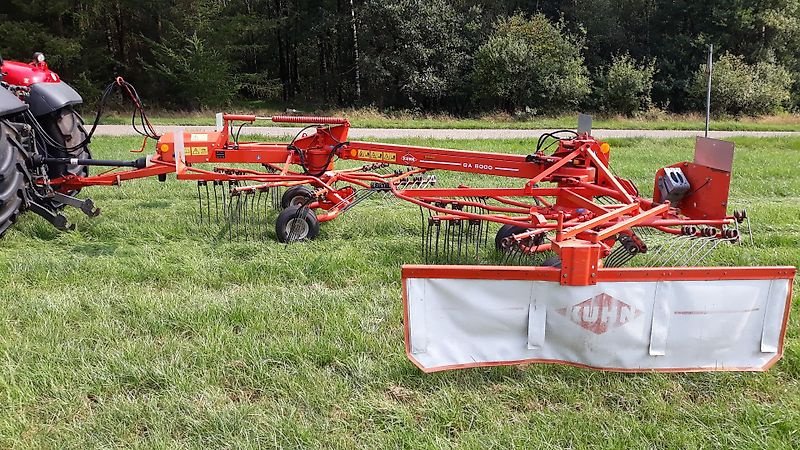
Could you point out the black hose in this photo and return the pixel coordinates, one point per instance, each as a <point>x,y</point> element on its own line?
<point>147,128</point>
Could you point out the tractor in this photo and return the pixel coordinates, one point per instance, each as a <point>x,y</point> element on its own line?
<point>40,133</point>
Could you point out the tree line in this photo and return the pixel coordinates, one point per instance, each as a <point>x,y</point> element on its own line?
<point>462,57</point>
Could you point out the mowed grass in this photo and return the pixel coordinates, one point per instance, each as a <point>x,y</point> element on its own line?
<point>369,118</point>
<point>142,329</point>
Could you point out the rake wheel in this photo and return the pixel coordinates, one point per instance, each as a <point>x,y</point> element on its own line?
<point>504,232</point>
<point>296,196</point>
<point>296,223</point>
<point>553,261</point>
<point>12,176</point>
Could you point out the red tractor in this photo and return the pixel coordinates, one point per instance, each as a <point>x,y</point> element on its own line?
<point>37,120</point>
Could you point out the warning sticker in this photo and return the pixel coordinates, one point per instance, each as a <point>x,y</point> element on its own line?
<point>380,156</point>
<point>199,151</point>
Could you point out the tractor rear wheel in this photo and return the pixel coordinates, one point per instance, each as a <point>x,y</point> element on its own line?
<point>65,127</point>
<point>12,176</point>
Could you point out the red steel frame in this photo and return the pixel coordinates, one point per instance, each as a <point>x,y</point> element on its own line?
<point>580,229</point>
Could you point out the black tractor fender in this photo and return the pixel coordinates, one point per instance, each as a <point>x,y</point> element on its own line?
<point>45,98</point>
<point>9,104</point>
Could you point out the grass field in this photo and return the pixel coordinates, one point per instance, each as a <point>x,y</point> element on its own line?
<point>143,330</point>
<point>367,118</point>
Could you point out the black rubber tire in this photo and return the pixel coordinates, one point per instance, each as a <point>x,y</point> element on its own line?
<point>296,196</point>
<point>504,232</point>
<point>553,261</point>
<point>12,176</point>
<point>66,127</point>
<point>286,221</point>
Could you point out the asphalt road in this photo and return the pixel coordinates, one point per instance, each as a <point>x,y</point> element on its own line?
<point>390,133</point>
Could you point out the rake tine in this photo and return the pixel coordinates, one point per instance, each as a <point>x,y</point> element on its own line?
<point>430,237</point>
<point>611,258</point>
<point>507,255</point>
<point>216,203</point>
<point>460,239</point>
<point>249,215</point>
<point>478,238</point>
<point>242,215</point>
<point>692,249</point>
<point>446,246</point>
<point>200,204</point>
<point>471,238</point>
<point>261,218</point>
<point>703,247</point>
<point>238,216</point>
<point>682,241</point>
<point>208,202</point>
<point>254,218</point>
<point>229,217</point>
<point>713,246</point>
<point>438,232</point>
<point>422,234</point>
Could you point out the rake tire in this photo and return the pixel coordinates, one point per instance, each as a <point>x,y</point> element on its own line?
<point>296,223</point>
<point>504,232</point>
<point>12,176</point>
<point>553,261</point>
<point>296,196</point>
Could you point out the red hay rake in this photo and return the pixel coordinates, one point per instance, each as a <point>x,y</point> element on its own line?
<point>571,221</point>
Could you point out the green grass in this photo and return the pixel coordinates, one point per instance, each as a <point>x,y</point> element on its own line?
<point>367,118</point>
<point>141,329</point>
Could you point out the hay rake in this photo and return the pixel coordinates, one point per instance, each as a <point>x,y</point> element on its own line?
<point>552,287</point>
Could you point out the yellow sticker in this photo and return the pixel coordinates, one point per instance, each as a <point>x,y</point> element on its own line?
<point>198,151</point>
<point>380,156</point>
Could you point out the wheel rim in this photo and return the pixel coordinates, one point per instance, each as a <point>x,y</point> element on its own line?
<point>296,229</point>
<point>298,200</point>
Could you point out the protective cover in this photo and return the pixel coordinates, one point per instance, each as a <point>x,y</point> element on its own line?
<point>48,97</point>
<point>10,104</point>
<point>656,320</point>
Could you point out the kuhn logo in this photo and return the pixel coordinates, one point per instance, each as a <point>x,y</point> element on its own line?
<point>409,158</point>
<point>601,313</point>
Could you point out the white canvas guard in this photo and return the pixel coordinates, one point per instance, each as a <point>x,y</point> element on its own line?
<point>624,326</point>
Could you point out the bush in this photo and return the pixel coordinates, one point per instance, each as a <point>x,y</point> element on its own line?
<point>195,75</point>
<point>418,53</point>
<point>625,87</point>
<point>739,88</point>
<point>531,63</point>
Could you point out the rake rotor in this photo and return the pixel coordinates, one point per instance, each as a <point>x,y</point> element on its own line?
<point>570,202</point>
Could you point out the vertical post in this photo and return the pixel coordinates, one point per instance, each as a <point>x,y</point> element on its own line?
<point>709,66</point>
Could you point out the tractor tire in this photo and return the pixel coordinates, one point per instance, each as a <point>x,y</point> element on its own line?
<point>65,127</point>
<point>12,176</point>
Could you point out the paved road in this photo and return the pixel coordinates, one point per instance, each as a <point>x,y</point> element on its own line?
<point>389,133</point>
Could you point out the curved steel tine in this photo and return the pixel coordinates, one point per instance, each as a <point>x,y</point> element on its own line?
<point>216,202</point>
<point>701,242</point>
<point>438,226</point>
<point>200,203</point>
<point>679,243</point>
